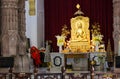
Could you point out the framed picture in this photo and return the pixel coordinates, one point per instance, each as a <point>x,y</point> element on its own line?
<point>57,59</point>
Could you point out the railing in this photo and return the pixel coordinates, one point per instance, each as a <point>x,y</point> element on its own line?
<point>31,76</point>
<point>50,75</point>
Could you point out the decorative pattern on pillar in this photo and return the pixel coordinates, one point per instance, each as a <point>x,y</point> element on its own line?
<point>116,25</point>
<point>22,27</point>
<point>9,26</point>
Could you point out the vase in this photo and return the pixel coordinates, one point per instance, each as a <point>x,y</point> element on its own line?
<point>60,42</point>
<point>97,46</point>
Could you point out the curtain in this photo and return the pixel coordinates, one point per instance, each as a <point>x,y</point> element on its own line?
<point>59,12</point>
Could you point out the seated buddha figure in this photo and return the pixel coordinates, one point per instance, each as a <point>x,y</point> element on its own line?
<point>80,32</point>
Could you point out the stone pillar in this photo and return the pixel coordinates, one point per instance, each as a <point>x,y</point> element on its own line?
<point>22,27</point>
<point>22,59</point>
<point>0,31</point>
<point>116,25</point>
<point>9,26</point>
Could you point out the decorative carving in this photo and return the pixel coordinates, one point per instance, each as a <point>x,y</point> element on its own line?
<point>9,26</point>
<point>116,24</point>
<point>4,45</point>
<point>21,28</point>
<point>13,42</point>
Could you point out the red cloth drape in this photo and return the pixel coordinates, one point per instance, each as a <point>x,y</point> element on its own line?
<point>59,12</point>
<point>35,54</point>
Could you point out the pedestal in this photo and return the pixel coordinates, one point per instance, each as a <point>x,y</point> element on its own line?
<point>60,49</point>
<point>96,47</point>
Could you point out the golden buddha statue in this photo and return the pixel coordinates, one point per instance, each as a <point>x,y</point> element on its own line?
<point>80,33</point>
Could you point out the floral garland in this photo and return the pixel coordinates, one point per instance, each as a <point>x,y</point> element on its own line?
<point>65,32</point>
<point>96,40</point>
<point>96,34</point>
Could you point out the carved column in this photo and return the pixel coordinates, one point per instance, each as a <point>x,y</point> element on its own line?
<point>9,26</point>
<point>21,27</point>
<point>22,59</point>
<point>116,25</point>
<point>0,30</point>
